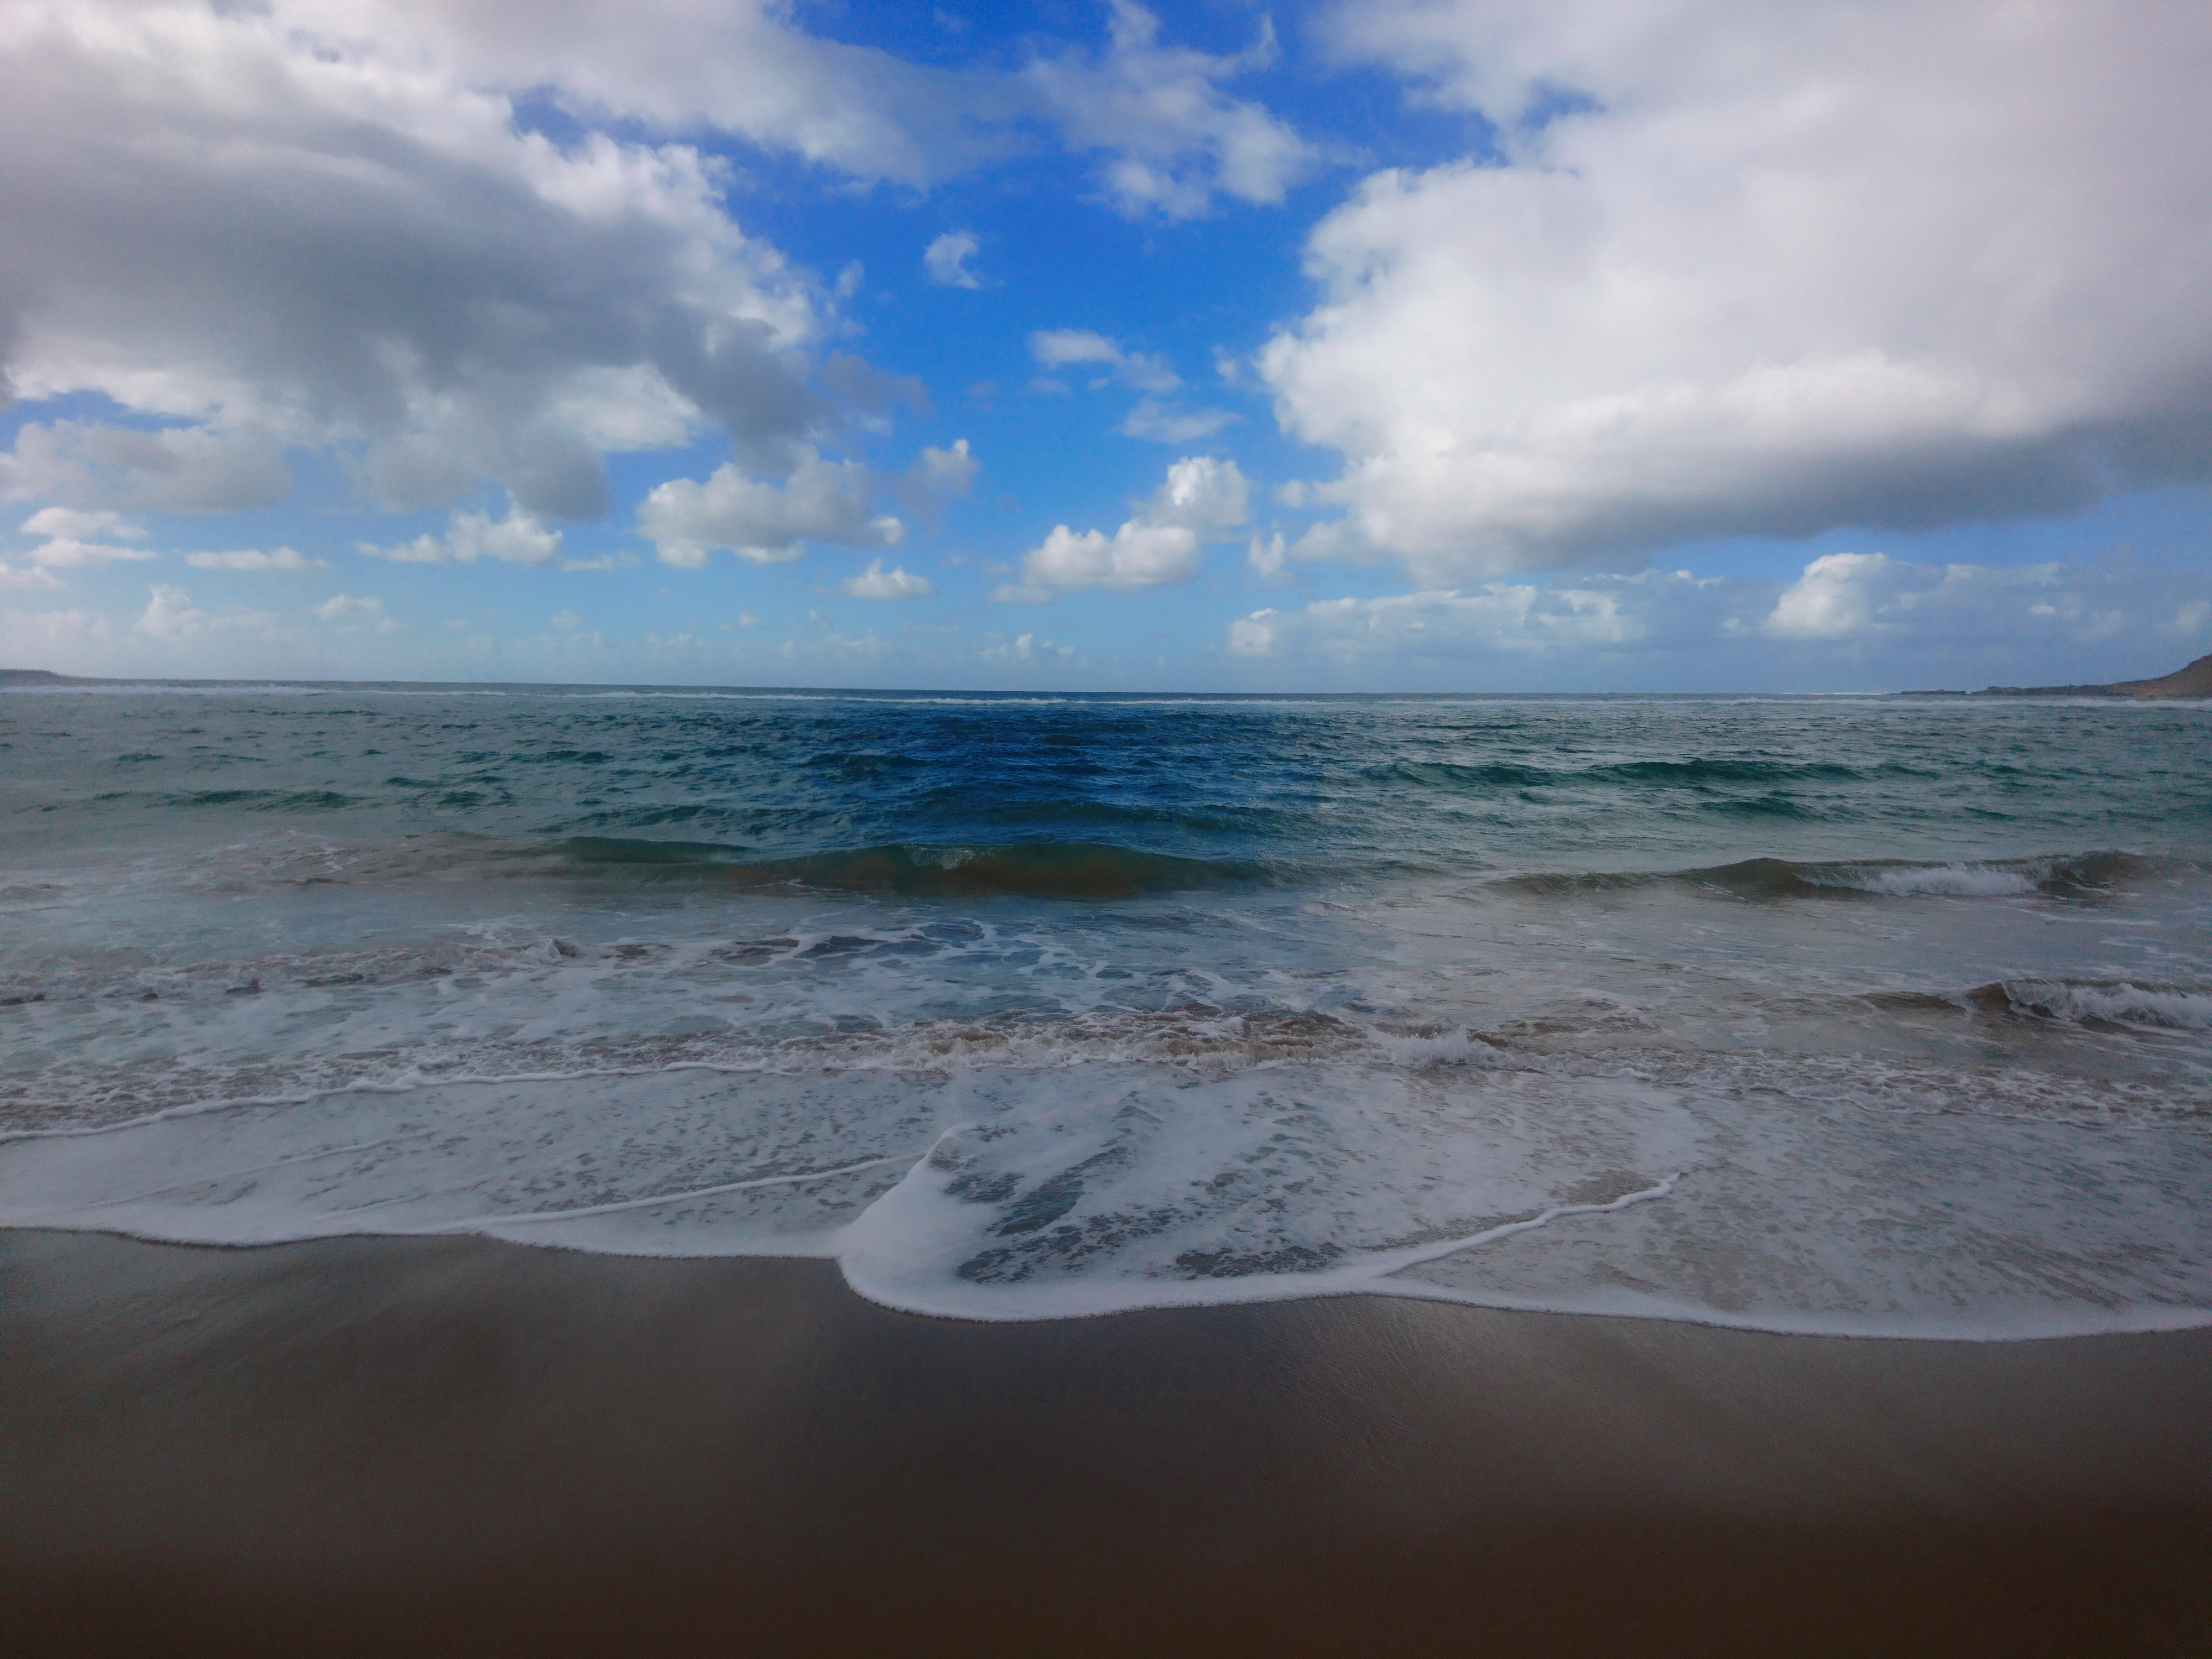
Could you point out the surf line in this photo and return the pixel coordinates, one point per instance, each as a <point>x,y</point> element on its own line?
<point>413,1084</point>
<point>534,1217</point>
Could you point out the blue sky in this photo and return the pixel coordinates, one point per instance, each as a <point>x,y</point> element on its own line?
<point>1427,344</point>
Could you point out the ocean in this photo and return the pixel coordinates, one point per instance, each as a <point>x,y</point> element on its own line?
<point>1884,1017</point>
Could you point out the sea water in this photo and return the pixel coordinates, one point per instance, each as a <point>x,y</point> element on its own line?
<point>1871,1016</point>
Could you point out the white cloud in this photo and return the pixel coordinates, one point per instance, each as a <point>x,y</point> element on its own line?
<point>192,469</point>
<point>1869,619</point>
<point>518,538</point>
<point>1059,348</point>
<point>1021,649</point>
<point>946,471</point>
<point>1170,138</point>
<point>66,547</point>
<point>171,616</point>
<point>766,523</point>
<point>346,610</point>
<point>878,583</point>
<point>1208,495</point>
<point>1135,555</point>
<point>944,260</point>
<point>1835,596</point>
<point>1760,269</point>
<point>566,619</point>
<point>1201,498</point>
<point>254,559</point>
<point>1269,561</point>
<point>1874,601</point>
<point>74,524</point>
<point>1518,617</point>
<point>32,579</point>
<point>41,629</point>
<point>360,247</point>
<point>1161,423</point>
<point>937,477</point>
<point>66,553</point>
<point>368,247</point>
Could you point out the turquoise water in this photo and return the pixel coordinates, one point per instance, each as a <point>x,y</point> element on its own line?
<point>1880,1016</point>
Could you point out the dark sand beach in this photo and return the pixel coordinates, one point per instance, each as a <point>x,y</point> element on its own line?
<point>379,1446</point>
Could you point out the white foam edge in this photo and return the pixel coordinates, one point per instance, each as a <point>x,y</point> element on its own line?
<point>1461,1047</point>
<point>1258,1289</point>
<point>394,1087</point>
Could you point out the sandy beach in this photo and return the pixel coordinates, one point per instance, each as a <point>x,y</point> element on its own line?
<point>378,1446</point>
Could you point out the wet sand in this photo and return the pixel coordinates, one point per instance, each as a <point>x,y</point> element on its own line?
<point>409,1447</point>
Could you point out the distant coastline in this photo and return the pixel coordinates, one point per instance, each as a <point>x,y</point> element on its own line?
<point>2193,681</point>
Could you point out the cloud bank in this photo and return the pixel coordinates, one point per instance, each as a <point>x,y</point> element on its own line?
<point>1750,269</point>
<point>1849,621</point>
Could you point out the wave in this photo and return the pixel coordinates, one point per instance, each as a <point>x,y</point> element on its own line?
<point>1000,1192</point>
<point>2103,1002</point>
<point>2066,875</point>
<point>1698,774</point>
<point>1080,870</point>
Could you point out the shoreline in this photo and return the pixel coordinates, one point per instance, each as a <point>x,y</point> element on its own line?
<point>460,1445</point>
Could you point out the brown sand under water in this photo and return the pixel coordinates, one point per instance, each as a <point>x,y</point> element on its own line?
<point>415,1447</point>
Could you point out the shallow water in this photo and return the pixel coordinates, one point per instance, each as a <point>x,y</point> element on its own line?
<point>1846,1015</point>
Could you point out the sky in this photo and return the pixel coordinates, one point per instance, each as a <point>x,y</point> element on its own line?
<point>1481,345</point>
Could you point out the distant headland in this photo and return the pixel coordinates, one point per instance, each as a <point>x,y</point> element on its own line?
<point>2194,681</point>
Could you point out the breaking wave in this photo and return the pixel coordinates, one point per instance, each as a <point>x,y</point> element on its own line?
<point>2066,875</point>
<point>1073,870</point>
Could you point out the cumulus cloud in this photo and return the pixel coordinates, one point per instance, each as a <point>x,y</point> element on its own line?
<point>1834,598</point>
<point>1136,556</point>
<point>360,247</point>
<point>878,583</point>
<point>1498,617</point>
<point>70,544</point>
<point>518,538</point>
<point>348,612</point>
<point>76,523</point>
<point>1269,561</point>
<point>28,578</point>
<point>174,469</point>
<point>1169,140</point>
<point>1756,270</point>
<point>944,260</point>
<point>1850,620</point>
<point>254,559</point>
<point>1201,498</point>
<point>1873,602</point>
<point>937,477</point>
<point>1021,649</point>
<point>765,523</point>
<point>170,615</point>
